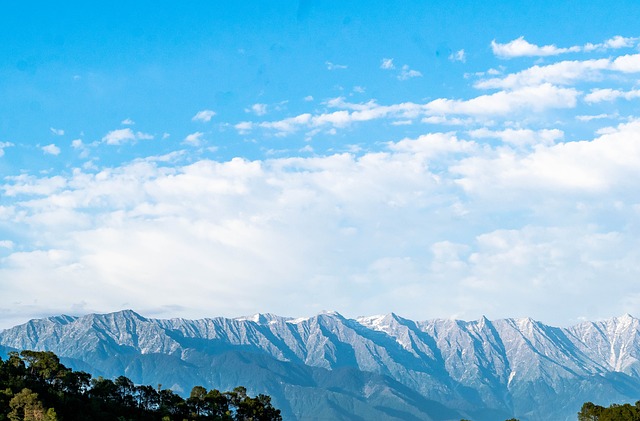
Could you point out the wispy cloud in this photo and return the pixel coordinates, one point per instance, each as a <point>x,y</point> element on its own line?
<point>522,48</point>
<point>57,132</point>
<point>607,94</point>
<point>408,73</point>
<point>194,139</point>
<point>387,64</point>
<point>204,116</point>
<point>3,146</point>
<point>534,98</point>
<point>121,136</point>
<point>257,109</point>
<point>458,56</point>
<point>333,66</point>
<point>51,149</point>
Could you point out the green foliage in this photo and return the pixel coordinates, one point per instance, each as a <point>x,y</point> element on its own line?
<point>615,412</point>
<point>36,386</point>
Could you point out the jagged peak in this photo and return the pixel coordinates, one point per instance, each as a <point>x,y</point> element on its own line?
<point>121,314</point>
<point>483,321</point>
<point>626,317</point>
<point>331,313</point>
<point>260,318</point>
<point>62,319</point>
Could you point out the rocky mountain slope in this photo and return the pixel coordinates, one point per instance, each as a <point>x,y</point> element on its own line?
<point>380,367</point>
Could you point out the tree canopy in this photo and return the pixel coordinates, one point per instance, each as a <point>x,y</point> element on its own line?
<point>34,385</point>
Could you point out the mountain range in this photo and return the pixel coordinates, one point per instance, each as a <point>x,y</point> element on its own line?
<point>328,367</point>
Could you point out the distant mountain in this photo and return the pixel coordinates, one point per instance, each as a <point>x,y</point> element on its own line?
<point>327,367</point>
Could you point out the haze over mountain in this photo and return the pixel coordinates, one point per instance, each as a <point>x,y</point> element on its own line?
<point>377,367</point>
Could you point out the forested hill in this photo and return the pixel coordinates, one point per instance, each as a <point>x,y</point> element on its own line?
<point>36,386</point>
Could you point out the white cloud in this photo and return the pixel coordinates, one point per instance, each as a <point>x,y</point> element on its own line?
<point>594,117</point>
<point>629,63</point>
<point>57,132</point>
<point>333,66</point>
<point>535,98</point>
<point>51,149</point>
<point>244,127</point>
<point>407,73</point>
<point>520,137</point>
<point>308,98</point>
<point>204,116</point>
<point>77,144</point>
<point>117,137</point>
<point>258,109</point>
<point>4,145</point>
<point>522,48</point>
<point>420,220</point>
<point>194,139</point>
<point>612,43</point>
<point>612,159</point>
<point>561,73</point>
<point>606,94</point>
<point>121,136</point>
<point>458,56</point>
<point>387,64</point>
<point>439,111</point>
<point>127,122</point>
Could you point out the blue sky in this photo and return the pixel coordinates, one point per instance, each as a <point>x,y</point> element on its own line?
<point>228,158</point>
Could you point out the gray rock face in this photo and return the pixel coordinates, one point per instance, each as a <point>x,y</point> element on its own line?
<point>378,367</point>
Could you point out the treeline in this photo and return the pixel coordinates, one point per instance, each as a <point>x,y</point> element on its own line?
<point>615,412</point>
<point>36,386</point>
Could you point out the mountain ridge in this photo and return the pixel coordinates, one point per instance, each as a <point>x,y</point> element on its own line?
<point>516,366</point>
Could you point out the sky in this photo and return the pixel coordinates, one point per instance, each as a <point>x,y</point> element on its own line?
<point>434,159</point>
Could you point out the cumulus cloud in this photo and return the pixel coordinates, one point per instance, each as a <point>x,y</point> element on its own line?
<point>496,210</point>
<point>611,160</point>
<point>418,220</point>
<point>127,122</point>
<point>51,149</point>
<point>522,48</point>
<point>121,136</point>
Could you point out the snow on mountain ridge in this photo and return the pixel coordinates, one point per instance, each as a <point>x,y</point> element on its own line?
<point>504,362</point>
